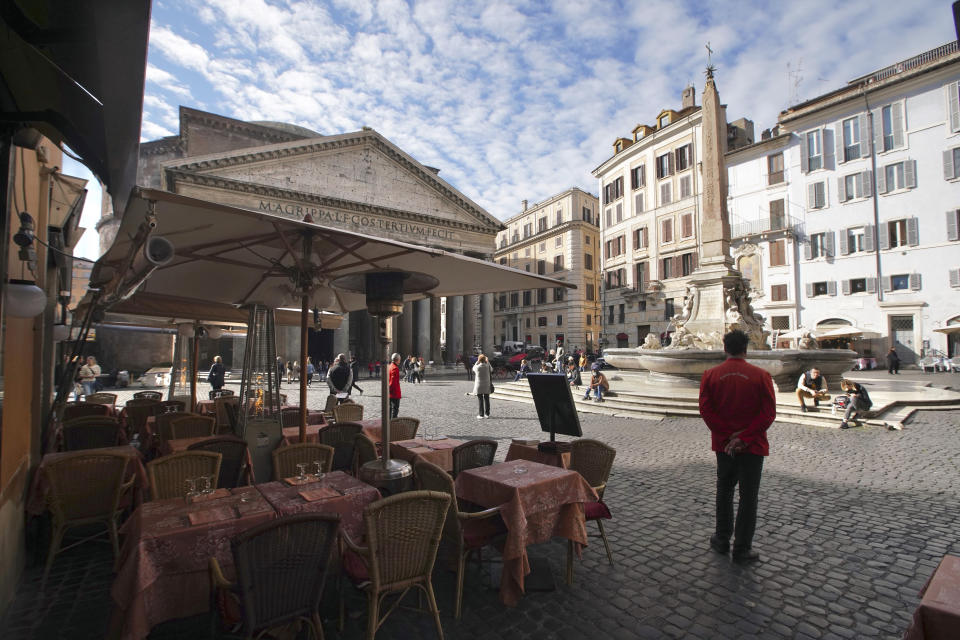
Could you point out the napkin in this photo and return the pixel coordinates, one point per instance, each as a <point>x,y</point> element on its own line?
<point>320,493</point>
<point>219,493</point>
<point>211,515</point>
<point>296,482</point>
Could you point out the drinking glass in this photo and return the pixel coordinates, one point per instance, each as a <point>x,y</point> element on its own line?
<point>207,485</point>
<point>519,470</point>
<point>301,471</point>
<point>191,486</point>
<point>318,473</point>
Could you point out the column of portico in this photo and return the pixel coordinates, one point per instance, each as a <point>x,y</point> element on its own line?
<point>341,336</point>
<point>434,353</point>
<point>422,329</point>
<point>469,324</point>
<point>487,329</point>
<point>406,330</point>
<point>454,327</point>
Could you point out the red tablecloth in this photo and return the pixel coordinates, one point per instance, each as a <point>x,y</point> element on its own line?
<point>291,435</point>
<point>439,452</point>
<point>538,504</point>
<point>37,497</point>
<point>354,496</point>
<point>938,616</point>
<point>519,451</point>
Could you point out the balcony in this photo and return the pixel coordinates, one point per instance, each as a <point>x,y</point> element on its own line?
<point>763,226</point>
<point>645,290</point>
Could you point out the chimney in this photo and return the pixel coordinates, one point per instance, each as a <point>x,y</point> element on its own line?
<point>688,98</point>
<point>523,203</point>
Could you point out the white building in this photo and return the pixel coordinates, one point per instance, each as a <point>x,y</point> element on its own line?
<point>848,213</point>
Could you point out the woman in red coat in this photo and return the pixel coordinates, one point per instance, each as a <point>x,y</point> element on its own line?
<point>393,384</point>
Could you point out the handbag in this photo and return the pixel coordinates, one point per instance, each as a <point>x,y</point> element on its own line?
<point>492,388</point>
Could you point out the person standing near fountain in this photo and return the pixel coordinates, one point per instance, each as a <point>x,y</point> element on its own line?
<point>738,404</point>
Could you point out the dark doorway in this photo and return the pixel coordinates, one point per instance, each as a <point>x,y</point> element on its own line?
<point>320,345</point>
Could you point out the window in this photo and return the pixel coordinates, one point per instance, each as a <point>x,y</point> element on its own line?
<point>953,106</point>
<point>664,166</point>
<point>589,320</point>
<point>687,264</point>
<point>542,321</point>
<point>775,168</point>
<point>856,285</point>
<point>528,230</point>
<point>586,240</point>
<point>541,296</point>
<point>900,282</point>
<point>588,261</point>
<point>526,298</point>
<point>558,294</point>
<point>527,267</point>
<point>780,323</point>
<point>778,219</point>
<point>778,253</point>
<point>559,321</point>
<point>817,195</point>
<point>686,225</point>
<point>666,268</point>
<point>558,262</point>
<point>526,252</point>
<point>590,292</point>
<point>778,293</point>
<point>621,314</point>
<point>610,314</point>
<point>668,311</point>
<point>813,150</point>
<point>541,224</point>
<point>686,188</point>
<point>642,275</point>
<point>815,289</point>
<point>666,230</point>
<point>891,123</point>
<point>640,240</point>
<point>684,157</point>
<point>858,240</point>
<point>820,245</point>
<point>608,215</point>
<point>613,190</point>
<point>543,247</point>
<point>620,212</point>
<point>503,261</point>
<point>953,224</point>
<point>899,233</point>
<point>616,246</point>
<point>541,267</point>
<point>666,193</point>
<point>514,299</point>
<point>855,185</point>
<point>503,301</point>
<point>638,177</point>
<point>558,241</point>
<point>616,278</point>
<point>899,175</point>
<point>528,326</point>
<point>851,139</point>
<point>951,164</point>
<point>587,215</point>
<point>638,203</point>
<point>663,121</point>
<point>559,217</point>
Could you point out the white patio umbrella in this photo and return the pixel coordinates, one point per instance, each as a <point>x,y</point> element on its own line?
<point>845,332</point>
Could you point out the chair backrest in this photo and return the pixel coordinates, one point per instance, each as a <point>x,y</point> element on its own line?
<point>341,436</point>
<point>168,474</point>
<point>403,533</point>
<point>403,429</point>
<point>363,451</point>
<point>85,484</point>
<point>286,459</point>
<point>232,409</point>
<point>348,412</point>
<point>331,404</point>
<point>82,409</point>
<point>192,426</point>
<point>89,435</point>
<point>169,406</point>
<point>281,568</point>
<point>102,398</point>
<point>138,410</point>
<point>233,466</point>
<point>110,420</point>
<point>430,477</point>
<point>220,393</point>
<point>185,400</point>
<point>473,454</point>
<point>290,417</point>
<point>593,460</point>
<point>163,420</point>
<point>148,395</point>
<point>221,405</point>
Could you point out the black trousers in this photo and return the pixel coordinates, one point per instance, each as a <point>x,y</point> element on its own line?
<point>484,400</point>
<point>394,407</point>
<point>743,469</point>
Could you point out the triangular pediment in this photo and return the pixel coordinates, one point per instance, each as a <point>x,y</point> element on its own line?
<point>361,167</point>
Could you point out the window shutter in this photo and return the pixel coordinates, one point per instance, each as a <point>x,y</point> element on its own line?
<point>804,160</point>
<point>887,285</point>
<point>878,130</point>
<point>693,260</point>
<point>807,251</point>
<point>633,180</point>
<point>952,231</point>
<point>955,277</point>
<point>809,289</point>
<point>913,232</point>
<point>953,106</point>
<point>638,203</point>
<point>883,240</point>
<point>646,271</point>
<point>881,180</point>
<point>910,173</point>
<point>948,164</point>
<point>866,181</point>
<point>670,164</point>
<point>865,136</point>
<point>619,212</point>
<point>677,266</point>
<point>915,282</point>
<point>812,196</point>
<point>868,244</point>
<point>844,242</point>
<point>827,147</point>
<point>845,287</point>
<point>871,285</point>
<point>831,287</point>
<point>645,239</point>
<point>838,141</point>
<point>828,244</point>
<point>841,189</point>
<point>896,114</point>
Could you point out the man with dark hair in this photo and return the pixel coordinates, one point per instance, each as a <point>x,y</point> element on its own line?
<point>738,404</point>
<point>340,378</point>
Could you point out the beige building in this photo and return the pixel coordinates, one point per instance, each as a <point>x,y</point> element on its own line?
<point>651,189</point>
<point>558,237</point>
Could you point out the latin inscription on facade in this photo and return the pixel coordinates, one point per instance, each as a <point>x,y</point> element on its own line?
<point>363,222</point>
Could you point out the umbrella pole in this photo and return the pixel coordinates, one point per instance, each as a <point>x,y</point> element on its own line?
<point>384,392</point>
<point>304,301</point>
<point>194,373</point>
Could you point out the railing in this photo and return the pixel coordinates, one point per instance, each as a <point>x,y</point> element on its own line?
<point>908,64</point>
<point>766,225</point>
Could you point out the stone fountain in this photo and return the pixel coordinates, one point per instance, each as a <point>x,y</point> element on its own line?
<point>717,298</point>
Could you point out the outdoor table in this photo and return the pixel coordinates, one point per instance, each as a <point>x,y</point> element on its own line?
<point>37,497</point>
<point>291,435</point>
<point>164,560</point>
<point>938,616</point>
<point>530,452</point>
<point>439,452</point>
<point>537,502</point>
<point>182,444</point>
<point>348,498</point>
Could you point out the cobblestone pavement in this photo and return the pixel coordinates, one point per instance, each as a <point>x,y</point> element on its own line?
<point>851,525</point>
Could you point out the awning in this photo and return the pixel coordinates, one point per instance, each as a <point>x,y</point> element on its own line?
<point>795,334</point>
<point>949,330</point>
<point>845,332</point>
<point>622,336</point>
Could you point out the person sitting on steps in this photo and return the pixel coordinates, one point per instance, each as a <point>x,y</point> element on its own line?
<point>811,385</point>
<point>859,401</point>
<point>598,383</point>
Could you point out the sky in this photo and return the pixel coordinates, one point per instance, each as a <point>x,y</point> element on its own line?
<point>511,100</point>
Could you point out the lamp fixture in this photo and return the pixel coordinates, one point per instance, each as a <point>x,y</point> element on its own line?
<point>25,299</point>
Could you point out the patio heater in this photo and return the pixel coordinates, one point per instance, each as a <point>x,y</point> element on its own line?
<point>384,291</point>
<point>259,407</point>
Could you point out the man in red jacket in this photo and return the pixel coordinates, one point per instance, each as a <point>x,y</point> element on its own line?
<point>738,404</point>
<point>393,384</point>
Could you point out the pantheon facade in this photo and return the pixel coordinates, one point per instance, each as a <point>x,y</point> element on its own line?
<point>358,181</point>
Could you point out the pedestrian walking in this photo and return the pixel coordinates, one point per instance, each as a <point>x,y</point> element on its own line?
<point>738,405</point>
<point>393,385</point>
<point>354,375</point>
<point>88,376</point>
<point>310,371</point>
<point>482,385</point>
<point>217,374</point>
<point>893,361</point>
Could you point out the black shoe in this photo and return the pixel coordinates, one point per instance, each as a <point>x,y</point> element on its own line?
<point>718,545</point>
<point>745,556</point>
<point>803,408</point>
<point>816,402</point>
<point>844,425</point>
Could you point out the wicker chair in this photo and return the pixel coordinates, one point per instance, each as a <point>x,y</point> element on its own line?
<point>84,409</point>
<point>329,407</point>
<point>169,406</point>
<point>286,459</point>
<point>110,420</point>
<point>186,400</point>
<point>341,436</point>
<point>233,465</point>
<point>168,474</point>
<point>467,532</point>
<point>148,395</point>
<point>403,533</point>
<point>224,423</point>
<point>403,429</point>
<point>85,488</point>
<point>473,454</point>
<point>593,460</point>
<point>192,427</point>
<point>281,569</point>
<point>364,451</point>
<point>163,420</point>
<point>90,433</point>
<point>138,410</point>
<point>348,412</point>
<point>102,398</point>
<point>290,417</point>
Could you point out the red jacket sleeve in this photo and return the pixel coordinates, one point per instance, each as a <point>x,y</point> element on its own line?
<point>765,415</point>
<point>393,380</point>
